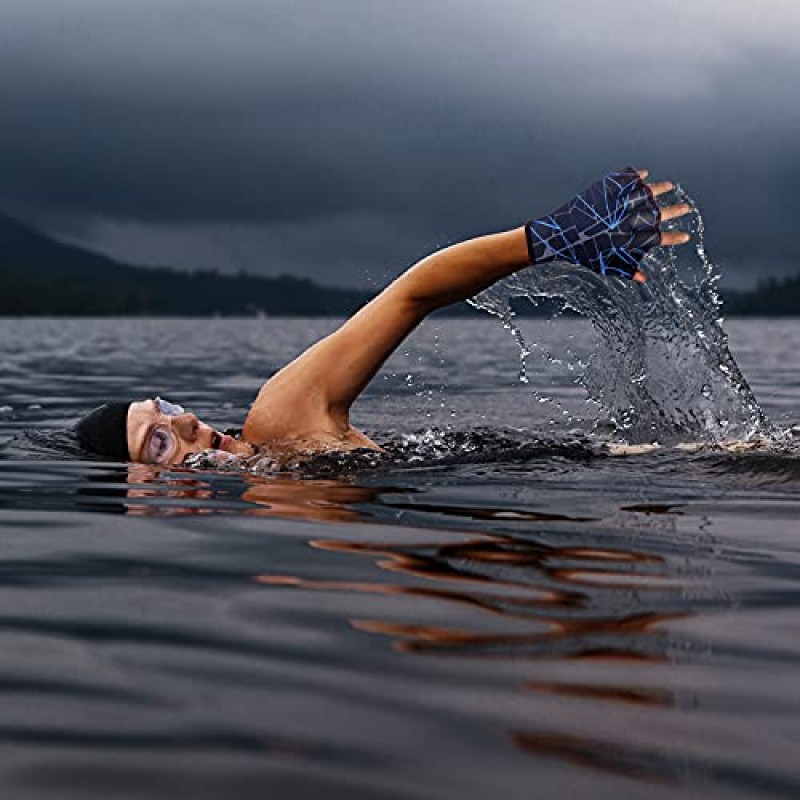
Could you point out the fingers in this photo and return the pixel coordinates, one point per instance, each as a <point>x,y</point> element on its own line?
<point>673,212</point>
<point>668,238</point>
<point>662,187</point>
<point>672,238</point>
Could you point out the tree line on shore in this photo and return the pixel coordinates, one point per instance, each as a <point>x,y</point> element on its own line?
<point>41,276</point>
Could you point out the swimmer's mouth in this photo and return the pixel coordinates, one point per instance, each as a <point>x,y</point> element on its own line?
<point>216,440</point>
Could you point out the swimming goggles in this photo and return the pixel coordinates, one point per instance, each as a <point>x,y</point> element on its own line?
<point>168,409</point>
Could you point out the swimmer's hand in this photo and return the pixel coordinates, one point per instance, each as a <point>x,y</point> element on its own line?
<point>609,227</point>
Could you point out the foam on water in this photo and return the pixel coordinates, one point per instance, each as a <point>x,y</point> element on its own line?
<point>662,370</point>
<point>427,449</point>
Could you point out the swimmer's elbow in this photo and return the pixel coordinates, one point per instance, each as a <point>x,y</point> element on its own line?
<point>423,290</point>
<point>410,296</point>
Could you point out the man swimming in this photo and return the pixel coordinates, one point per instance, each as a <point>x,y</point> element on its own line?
<point>305,407</point>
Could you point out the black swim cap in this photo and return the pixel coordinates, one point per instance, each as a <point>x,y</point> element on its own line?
<point>104,431</point>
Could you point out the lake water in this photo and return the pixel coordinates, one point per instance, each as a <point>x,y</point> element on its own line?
<point>507,608</point>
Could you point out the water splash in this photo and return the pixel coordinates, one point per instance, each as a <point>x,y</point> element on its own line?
<point>429,448</point>
<point>662,370</point>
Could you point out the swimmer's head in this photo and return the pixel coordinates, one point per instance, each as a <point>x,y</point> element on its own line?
<point>104,431</point>
<point>151,431</point>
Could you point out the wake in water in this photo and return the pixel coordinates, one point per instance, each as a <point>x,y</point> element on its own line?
<point>427,449</point>
<point>662,370</point>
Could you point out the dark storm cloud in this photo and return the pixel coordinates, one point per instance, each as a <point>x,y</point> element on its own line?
<point>326,138</point>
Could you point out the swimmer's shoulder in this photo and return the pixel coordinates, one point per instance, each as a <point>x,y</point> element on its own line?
<point>284,410</point>
<point>284,421</point>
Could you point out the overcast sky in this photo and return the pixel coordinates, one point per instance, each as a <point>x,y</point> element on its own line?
<point>343,139</point>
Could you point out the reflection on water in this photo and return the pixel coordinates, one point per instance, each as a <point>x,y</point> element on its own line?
<point>568,595</point>
<point>530,598</point>
<point>152,492</point>
<point>313,500</point>
<point>592,605</point>
<point>594,754</point>
<point>574,604</point>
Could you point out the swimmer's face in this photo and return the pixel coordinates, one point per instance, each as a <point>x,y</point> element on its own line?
<point>157,434</point>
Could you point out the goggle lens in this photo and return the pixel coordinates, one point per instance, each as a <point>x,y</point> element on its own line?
<point>168,409</point>
<point>161,445</point>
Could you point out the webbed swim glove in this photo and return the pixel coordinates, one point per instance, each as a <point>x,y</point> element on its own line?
<point>104,431</point>
<point>608,228</point>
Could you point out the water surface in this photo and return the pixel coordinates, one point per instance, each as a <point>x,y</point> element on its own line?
<point>506,608</point>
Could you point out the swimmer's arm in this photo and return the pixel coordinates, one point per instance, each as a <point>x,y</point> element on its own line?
<point>463,270</point>
<point>322,383</point>
<point>319,386</point>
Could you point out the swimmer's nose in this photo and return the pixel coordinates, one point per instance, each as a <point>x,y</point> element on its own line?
<point>187,426</point>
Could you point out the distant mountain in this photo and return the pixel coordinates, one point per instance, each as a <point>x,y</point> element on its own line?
<point>39,275</point>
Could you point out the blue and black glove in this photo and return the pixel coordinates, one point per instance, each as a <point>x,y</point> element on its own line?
<point>609,227</point>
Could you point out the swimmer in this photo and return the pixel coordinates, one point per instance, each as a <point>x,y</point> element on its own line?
<point>305,407</point>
